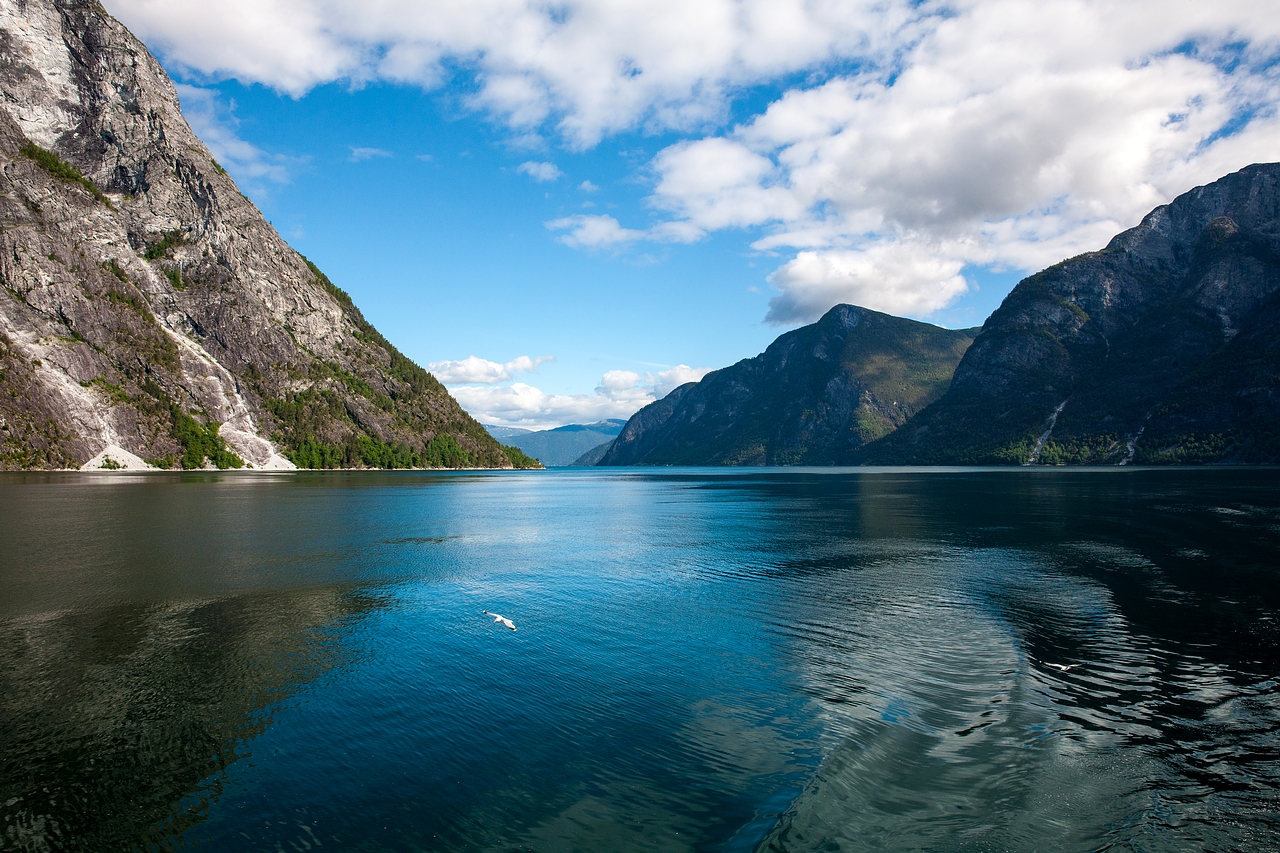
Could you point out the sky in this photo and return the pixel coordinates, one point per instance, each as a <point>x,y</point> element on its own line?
<point>566,209</point>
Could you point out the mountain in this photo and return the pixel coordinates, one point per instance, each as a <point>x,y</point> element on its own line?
<point>149,312</point>
<point>563,445</point>
<point>1162,347</point>
<point>592,456</point>
<point>502,433</point>
<point>815,396</point>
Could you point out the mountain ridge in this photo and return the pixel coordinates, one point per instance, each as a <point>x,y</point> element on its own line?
<point>813,396</point>
<point>1105,358</point>
<point>564,445</point>
<point>1162,347</point>
<point>147,306</point>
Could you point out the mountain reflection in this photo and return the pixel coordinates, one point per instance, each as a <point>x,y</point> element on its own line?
<point>119,723</point>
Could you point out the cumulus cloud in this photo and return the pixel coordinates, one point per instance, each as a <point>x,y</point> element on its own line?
<point>933,135</point>
<point>620,394</point>
<point>1011,134</point>
<point>896,277</point>
<point>540,172</point>
<point>214,121</point>
<point>480,371</point>
<point>589,67</point>
<point>667,381</point>
<point>525,406</point>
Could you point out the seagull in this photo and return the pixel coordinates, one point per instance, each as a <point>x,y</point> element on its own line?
<point>504,620</point>
<point>1061,667</point>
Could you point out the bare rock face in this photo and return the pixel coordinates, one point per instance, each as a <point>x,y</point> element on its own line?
<point>147,306</point>
<point>814,397</point>
<point>1159,348</point>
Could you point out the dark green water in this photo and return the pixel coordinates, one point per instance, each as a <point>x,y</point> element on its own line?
<point>711,660</point>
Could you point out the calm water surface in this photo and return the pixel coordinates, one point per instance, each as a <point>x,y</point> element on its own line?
<point>705,660</point>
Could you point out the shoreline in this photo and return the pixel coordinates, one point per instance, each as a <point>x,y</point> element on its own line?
<point>635,469</point>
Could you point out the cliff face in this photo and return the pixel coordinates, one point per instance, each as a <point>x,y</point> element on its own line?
<point>148,309</point>
<point>815,396</point>
<point>1162,347</point>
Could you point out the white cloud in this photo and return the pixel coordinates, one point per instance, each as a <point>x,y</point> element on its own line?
<point>1012,134</point>
<point>480,371</point>
<point>599,231</point>
<point>620,394</point>
<point>588,187</point>
<point>593,232</point>
<point>934,134</point>
<point>717,183</point>
<point>668,380</point>
<point>358,154</point>
<point>896,277</point>
<point>525,406</point>
<point>590,67</point>
<point>540,172</point>
<point>215,123</point>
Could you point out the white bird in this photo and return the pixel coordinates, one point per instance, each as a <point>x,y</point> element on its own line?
<point>1060,666</point>
<point>504,620</point>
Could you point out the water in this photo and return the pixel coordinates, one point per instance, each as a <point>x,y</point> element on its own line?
<point>705,660</point>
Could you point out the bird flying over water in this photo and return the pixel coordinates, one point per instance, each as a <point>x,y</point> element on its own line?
<point>504,620</point>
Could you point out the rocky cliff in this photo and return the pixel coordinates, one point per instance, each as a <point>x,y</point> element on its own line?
<point>149,312</point>
<point>814,397</point>
<point>1162,347</point>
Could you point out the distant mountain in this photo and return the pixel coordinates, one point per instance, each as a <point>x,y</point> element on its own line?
<point>502,433</point>
<point>149,314</point>
<point>563,445</point>
<point>1162,347</point>
<point>814,397</point>
<point>593,456</point>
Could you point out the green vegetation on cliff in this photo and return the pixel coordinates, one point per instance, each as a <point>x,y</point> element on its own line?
<point>200,442</point>
<point>62,170</point>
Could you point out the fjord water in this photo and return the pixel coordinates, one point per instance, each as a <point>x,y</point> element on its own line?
<point>706,659</point>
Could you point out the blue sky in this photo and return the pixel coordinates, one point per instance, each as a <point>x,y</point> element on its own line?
<point>566,213</point>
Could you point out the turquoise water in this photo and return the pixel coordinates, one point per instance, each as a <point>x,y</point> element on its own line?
<point>705,659</point>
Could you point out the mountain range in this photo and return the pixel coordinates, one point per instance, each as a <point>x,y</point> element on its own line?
<point>149,315</point>
<point>1162,347</point>
<point>560,446</point>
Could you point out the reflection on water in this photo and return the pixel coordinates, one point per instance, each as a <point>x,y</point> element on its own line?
<point>1053,664</point>
<point>781,660</point>
<point>119,723</point>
